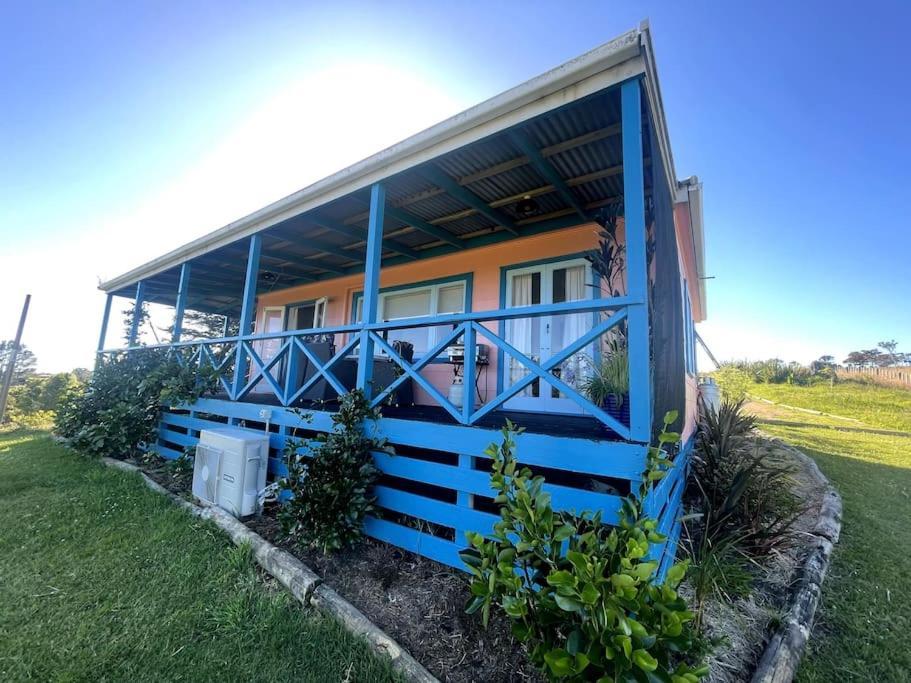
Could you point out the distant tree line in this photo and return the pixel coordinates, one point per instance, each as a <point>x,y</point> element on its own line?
<point>35,397</point>
<point>885,354</point>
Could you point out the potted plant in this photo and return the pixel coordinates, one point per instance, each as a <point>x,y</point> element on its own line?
<point>608,387</point>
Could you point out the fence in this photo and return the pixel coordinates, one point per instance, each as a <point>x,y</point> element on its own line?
<point>888,376</point>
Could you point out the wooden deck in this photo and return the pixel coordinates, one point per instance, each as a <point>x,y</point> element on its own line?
<point>553,424</point>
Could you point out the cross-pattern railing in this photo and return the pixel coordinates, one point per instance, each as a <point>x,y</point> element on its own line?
<point>279,373</point>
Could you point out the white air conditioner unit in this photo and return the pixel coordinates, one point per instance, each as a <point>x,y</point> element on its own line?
<point>230,469</point>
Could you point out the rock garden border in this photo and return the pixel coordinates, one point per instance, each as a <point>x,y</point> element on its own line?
<point>780,659</point>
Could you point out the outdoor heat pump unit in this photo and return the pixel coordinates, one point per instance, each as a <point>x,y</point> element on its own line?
<point>230,469</point>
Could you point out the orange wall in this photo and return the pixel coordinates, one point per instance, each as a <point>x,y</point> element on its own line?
<point>484,263</point>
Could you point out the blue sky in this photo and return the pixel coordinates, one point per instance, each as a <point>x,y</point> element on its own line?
<point>128,128</point>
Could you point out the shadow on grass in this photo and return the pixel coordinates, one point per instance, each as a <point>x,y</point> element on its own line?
<point>865,616</point>
<point>859,430</point>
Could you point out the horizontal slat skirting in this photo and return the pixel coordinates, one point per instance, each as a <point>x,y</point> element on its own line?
<point>584,456</point>
<point>606,458</point>
<point>435,548</point>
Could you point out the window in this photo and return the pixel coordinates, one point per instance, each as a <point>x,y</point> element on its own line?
<point>307,316</point>
<point>400,304</point>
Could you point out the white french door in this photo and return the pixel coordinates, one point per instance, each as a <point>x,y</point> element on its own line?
<point>542,337</point>
<point>273,319</point>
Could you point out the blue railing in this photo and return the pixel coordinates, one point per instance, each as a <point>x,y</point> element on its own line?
<point>279,372</point>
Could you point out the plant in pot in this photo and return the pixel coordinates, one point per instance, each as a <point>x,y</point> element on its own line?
<point>608,385</point>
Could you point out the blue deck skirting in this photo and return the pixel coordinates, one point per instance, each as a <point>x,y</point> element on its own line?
<point>430,499</point>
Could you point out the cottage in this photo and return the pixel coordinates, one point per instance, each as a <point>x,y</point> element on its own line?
<point>532,258</point>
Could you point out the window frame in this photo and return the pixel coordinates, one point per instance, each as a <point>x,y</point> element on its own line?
<point>434,286</point>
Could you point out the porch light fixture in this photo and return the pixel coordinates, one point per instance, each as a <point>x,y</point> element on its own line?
<point>268,276</point>
<point>527,207</point>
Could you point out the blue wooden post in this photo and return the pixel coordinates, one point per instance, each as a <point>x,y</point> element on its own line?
<point>104,322</point>
<point>468,374</point>
<point>371,285</point>
<point>248,308</point>
<point>137,314</point>
<point>637,269</point>
<point>181,304</point>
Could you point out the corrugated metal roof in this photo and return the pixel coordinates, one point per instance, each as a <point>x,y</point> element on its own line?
<point>580,141</point>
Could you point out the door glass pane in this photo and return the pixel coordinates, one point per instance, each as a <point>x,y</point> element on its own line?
<point>267,348</point>
<point>569,285</point>
<point>524,333</point>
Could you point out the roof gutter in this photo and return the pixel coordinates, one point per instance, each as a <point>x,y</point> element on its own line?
<point>693,188</point>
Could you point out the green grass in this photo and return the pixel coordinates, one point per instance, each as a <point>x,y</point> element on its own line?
<point>863,625</point>
<point>103,580</point>
<point>876,406</point>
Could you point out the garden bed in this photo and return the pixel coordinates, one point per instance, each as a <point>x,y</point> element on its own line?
<point>418,602</point>
<point>421,603</point>
<point>741,628</point>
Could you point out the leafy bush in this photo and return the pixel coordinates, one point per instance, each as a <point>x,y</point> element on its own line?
<point>742,501</point>
<point>33,403</point>
<point>330,490</point>
<point>733,381</point>
<point>119,410</point>
<point>581,594</point>
<point>610,378</point>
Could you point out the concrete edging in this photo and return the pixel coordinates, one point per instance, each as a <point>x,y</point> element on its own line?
<point>782,654</point>
<point>302,582</point>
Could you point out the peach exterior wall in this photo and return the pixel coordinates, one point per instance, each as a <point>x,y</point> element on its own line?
<point>483,263</point>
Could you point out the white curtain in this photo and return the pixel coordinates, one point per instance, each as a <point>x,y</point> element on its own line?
<point>574,326</point>
<point>520,329</point>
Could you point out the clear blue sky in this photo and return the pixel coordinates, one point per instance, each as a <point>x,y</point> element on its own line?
<point>128,128</point>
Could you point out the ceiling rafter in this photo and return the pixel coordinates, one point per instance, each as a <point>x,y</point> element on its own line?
<point>521,140</point>
<point>438,177</point>
<point>360,234</point>
<point>427,228</point>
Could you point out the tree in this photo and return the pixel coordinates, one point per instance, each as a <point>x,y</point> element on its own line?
<point>25,361</point>
<point>127,314</point>
<point>889,347</point>
<point>201,325</point>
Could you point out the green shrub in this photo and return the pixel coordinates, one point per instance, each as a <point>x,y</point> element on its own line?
<point>330,491</point>
<point>582,595</point>
<point>610,378</point>
<point>118,412</point>
<point>733,381</point>
<point>742,503</point>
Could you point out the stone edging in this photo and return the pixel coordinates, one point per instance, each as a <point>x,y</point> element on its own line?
<point>782,654</point>
<point>304,584</point>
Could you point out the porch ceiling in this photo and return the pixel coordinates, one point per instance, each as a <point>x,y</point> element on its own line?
<point>569,160</point>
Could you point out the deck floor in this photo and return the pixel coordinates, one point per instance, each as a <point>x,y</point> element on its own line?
<point>553,424</point>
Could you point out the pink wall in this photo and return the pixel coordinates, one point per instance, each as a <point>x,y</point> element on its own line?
<point>483,263</point>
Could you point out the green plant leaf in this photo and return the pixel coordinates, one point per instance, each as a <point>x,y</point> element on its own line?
<point>559,662</point>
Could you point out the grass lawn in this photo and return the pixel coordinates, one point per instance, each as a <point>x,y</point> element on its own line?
<point>103,580</point>
<point>875,406</point>
<point>864,623</point>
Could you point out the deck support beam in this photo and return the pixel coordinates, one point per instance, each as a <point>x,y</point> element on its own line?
<point>247,311</point>
<point>137,313</point>
<point>181,304</point>
<point>371,286</point>
<point>640,380</point>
